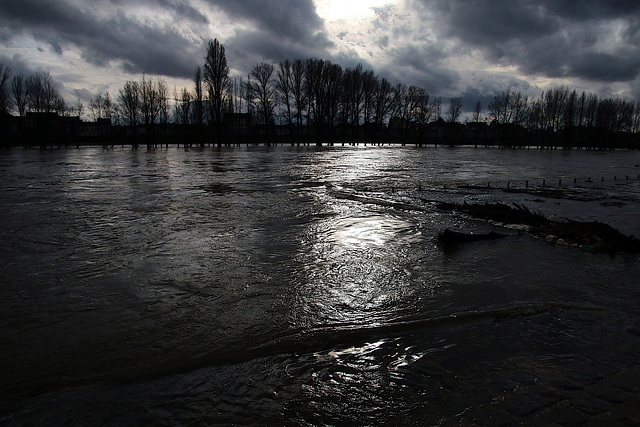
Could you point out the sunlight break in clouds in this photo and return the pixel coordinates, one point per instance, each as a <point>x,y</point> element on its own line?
<point>334,10</point>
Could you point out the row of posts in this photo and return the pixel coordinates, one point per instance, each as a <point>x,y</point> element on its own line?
<point>544,182</point>
<point>575,181</point>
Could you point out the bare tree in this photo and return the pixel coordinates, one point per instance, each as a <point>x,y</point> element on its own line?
<point>332,81</point>
<point>96,107</point>
<point>591,110</point>
<point>519,106</point>
<point>422,111</point>
<point>499,107</point>
<point>404,104</point>
<point>263,93</point>
<point>455,109</point>
<point>554,104</point>
<point>284,90</point>
<point>635,124</point>
<point>324,91</point>
<point>129,99</point>
<point>107,106</point>
<point>625,115</point>
<point>582,105</point>
<point>183,107</point>
<point>42,94</point>
<point>198,97</point>
<point>354,95</point>
<point>369,87</point>
<point>382,102</point>
<point>298,92</point>
<point>149,103</point>
<point>5,99</point>
<point>436,106</point>
<point>216,77</point>
<point>509,107</point>
<point>78,108</point>
<point>236,95</point>
<point>162,93</point>
<point>570,110</point>
<point>477,109</point>
<point>313,81</point>
<point>101,106</point>
<point>19,94</point>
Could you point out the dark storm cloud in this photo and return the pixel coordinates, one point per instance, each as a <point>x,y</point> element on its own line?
<point>184,10</point>
<point>106,31</point>
<point>606,67</point>
<point>589,9</point>
<point>273,30</point>
<point>420,65</point>
<point>179,8</point>
<point>554,38</point>
<point>294,20</point>
<point>17,64</point>
<point>105,37</point>
<point>251,47</point>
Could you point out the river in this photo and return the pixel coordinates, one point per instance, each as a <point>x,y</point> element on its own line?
<point>305,286</point>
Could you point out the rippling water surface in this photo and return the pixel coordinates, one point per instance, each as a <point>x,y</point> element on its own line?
<point>304,286</point>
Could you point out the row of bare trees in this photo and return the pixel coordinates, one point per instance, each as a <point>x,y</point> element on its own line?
<point>318,94</point>
<point>301,94</point>
<point>37,93</point>
<point>141,102</point>
<point>312,94</point>
<point>560,108</point>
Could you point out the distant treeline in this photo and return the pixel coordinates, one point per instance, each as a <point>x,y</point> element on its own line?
<point>314,99</point>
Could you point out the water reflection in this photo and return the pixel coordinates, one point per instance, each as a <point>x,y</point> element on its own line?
<point>366,232</point>
<point>355,265</point>
<point>290,285</point>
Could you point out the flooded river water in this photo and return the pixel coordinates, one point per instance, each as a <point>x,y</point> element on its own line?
<point>305,286</point>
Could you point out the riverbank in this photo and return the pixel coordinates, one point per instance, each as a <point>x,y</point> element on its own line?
<point>591,236</point>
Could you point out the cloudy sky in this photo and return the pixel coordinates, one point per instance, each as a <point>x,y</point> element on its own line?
<point>474,48</point>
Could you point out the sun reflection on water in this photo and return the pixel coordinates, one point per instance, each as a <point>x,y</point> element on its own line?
<point>366,231</point>
<point>353,270</point>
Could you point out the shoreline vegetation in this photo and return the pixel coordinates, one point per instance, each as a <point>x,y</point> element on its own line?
<point>305,102</point>
<point>37,130</point>
<point>592,236</point>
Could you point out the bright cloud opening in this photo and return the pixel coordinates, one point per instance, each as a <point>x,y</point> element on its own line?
<point>335,10</point>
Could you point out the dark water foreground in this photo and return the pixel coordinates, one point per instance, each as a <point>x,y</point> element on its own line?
<point>298,286</point>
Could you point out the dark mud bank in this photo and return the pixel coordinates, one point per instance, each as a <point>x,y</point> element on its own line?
<point>592,236</point>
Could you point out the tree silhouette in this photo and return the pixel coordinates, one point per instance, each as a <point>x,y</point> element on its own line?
<point>149,103</point>
<point>198,112</point>
<point>101,106</point>
<point>455,109</point>
<point>477,109</point>
<point>216,77</point>
<point>183,107</point>
<point>353,96</point>
<point>298,82</point>
<point>42,94</point>
<point>162,93</point>
<point>284,89</point>
<point>236,95</point>
<point>263,92</point>
<point>322,96</point>
<point>19,94</point>
<point>382,102</point>
<point>129,99</point>
<point>369,86</point>
<point>5,99</point>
